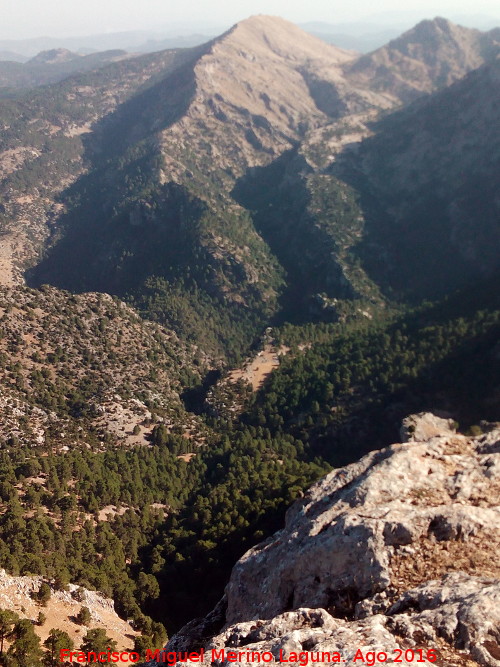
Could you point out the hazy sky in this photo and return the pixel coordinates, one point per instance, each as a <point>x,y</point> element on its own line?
<point>30,18</point>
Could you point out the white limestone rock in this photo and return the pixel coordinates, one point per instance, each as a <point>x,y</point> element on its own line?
<point>340,541</point>
<point>398,550</point>
<point>425,425</point>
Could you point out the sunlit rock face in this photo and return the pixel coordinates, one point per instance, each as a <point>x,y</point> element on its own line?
<point>393,552</point>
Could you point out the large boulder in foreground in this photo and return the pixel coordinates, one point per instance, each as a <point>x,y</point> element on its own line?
<point>397,551</point>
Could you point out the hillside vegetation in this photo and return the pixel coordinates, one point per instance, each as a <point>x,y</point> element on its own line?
<point>178,213</point>
<point>195,183</point>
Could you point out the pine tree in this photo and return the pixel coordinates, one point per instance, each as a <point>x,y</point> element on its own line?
<point>8,620</point>
<point>55,642</point>
<point>83,617</point>
<point>25,650</point>
<point>97,640</point>
<point>147,587</point>
<point>43,595</point>
<point>142,643</point>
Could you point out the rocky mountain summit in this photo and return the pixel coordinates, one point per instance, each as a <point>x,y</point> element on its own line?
<point>433,54</point>
<point>396,551</point>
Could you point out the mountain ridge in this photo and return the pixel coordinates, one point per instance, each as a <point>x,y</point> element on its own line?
<point>49,67</point>
<point>171,157</point>
<point>436,181</point>
<point>433,54</point>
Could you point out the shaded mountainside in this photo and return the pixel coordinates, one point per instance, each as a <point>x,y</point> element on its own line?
<point>393,552</point>
<point>428,181</point>
<point>157,200</point>
<point>359,380</point>
<point>44,141</point>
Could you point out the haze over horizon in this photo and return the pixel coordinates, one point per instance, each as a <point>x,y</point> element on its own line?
<point>68,18</point>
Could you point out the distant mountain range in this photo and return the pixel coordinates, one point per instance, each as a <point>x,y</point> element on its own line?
<point>363,36</point>
<point>230,181</point>
<point>51,66</point>
<point>138,41</point>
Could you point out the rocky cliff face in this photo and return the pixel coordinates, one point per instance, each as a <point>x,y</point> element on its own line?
<point>396,551</point>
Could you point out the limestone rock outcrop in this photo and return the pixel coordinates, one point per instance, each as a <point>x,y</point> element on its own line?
<point>396,551</point>
<point>18,594</point>
<point>423,426</point>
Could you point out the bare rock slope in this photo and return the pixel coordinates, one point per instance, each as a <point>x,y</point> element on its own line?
<point>396,551</point>
<point>259,87</point>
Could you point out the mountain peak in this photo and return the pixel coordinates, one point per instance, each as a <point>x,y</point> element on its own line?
<point>264,20</point>
<point>283,38</point>
<point>438,26</point>
<point>438,22</point>
<point>431,55</point>
<point>53,56</point>
<point>438,33</point>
